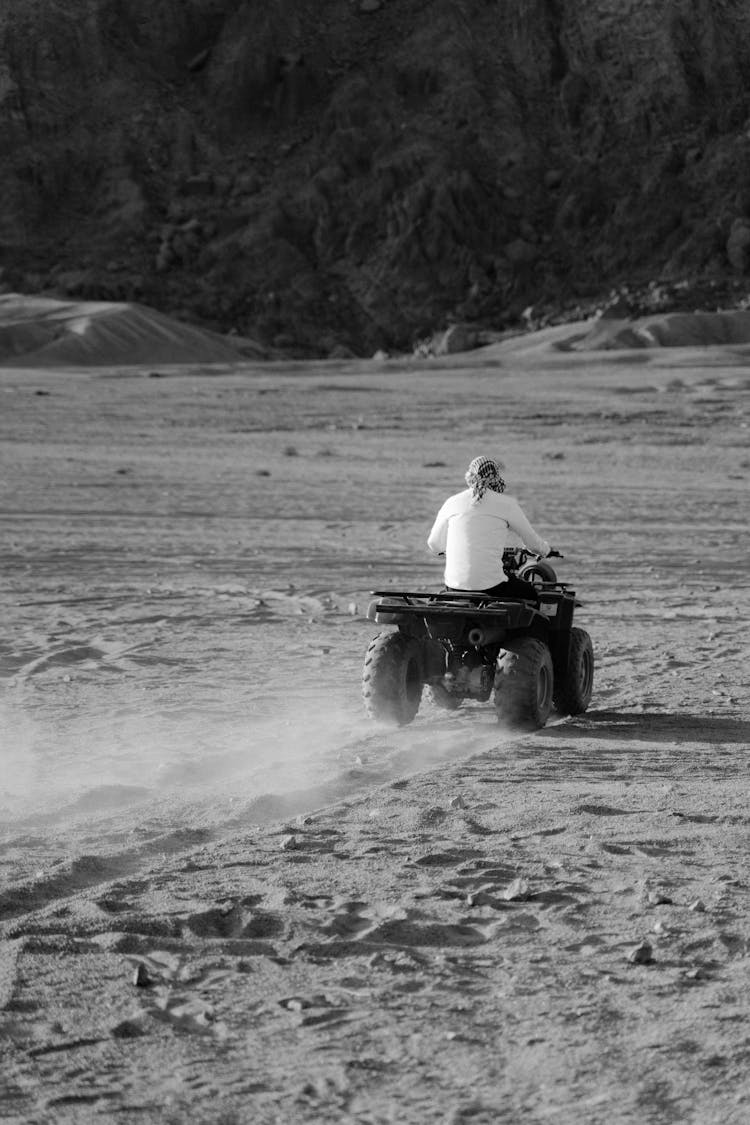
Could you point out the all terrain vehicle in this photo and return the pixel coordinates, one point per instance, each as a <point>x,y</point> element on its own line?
<point>468,645</point>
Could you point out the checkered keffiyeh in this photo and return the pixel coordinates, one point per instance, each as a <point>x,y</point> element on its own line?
<point>484,476</point>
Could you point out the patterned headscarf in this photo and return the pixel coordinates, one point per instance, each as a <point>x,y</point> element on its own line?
<point>484,476</point>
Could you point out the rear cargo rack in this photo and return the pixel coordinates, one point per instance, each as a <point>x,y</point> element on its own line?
<point>473,597</point>
<point>422,597</point>
<point>413,602</point>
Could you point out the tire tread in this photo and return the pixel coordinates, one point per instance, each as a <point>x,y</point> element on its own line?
<point>516,697</point>
<point>571,696</point>
<point>385,678</point>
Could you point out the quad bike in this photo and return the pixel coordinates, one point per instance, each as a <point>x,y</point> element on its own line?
<point>467,644</point>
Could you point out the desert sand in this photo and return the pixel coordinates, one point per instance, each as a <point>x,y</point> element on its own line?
<point>227,897</point>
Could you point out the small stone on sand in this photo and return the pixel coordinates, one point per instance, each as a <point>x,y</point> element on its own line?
<point>643,954</point>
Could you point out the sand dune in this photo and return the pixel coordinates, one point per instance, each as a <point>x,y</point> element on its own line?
<point>669,330</point>
<point>45,332</point>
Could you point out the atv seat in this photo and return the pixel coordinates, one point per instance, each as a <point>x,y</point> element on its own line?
<point>516,599</point>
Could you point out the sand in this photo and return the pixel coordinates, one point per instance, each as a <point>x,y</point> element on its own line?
<point>228,898</point>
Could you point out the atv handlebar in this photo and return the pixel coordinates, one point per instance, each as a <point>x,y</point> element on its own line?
<point>521,555</point>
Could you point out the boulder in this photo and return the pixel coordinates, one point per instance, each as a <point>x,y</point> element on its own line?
<point>457,338</point>
<point>738,246</point>
<point>520,252</point>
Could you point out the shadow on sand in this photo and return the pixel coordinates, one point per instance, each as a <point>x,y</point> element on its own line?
<point>656,727</point>
<point>622,745</point>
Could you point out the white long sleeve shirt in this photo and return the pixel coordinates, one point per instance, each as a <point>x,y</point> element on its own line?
<point>473,538</point>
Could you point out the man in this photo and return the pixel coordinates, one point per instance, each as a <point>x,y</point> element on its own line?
<point>474,527</point>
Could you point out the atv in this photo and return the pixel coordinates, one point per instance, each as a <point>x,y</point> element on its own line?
<point>467,644</point>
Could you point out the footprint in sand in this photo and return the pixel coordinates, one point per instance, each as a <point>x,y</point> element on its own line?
<point>354,926</point>
<point>63,657</point>
<point>602,810</point>
<point>167,993</point>
<point>445,859</point>
<point>236,921</point>
<point>319,1010</point>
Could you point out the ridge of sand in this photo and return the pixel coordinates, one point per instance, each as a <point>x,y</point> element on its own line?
<point>667,330</point>
<point>47,332</point>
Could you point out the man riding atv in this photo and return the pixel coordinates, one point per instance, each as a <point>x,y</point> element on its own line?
<point>474,527</point>
<point>490,631</point>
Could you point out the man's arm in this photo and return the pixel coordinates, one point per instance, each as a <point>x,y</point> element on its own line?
<point>517,522</point>
<point>436,540</point>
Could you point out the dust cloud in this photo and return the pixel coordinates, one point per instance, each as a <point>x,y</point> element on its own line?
<point>196,766</point>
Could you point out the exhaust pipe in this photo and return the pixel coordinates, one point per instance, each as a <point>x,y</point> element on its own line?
<point>487,636</point>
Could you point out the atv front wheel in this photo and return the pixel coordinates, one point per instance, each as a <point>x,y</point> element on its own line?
<point>537,573</point>
<point>392,678</point>
<point>573,694</point>
<point>524,684</point>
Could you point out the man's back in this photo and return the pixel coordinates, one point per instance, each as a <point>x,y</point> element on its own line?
<point>473,534</point>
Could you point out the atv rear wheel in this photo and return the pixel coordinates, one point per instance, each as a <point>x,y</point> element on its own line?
<point>573,694</point>
<point>392,678</point>
<point>524,683</point>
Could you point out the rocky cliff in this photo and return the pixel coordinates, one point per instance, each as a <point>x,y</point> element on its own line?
<point>352,174</point>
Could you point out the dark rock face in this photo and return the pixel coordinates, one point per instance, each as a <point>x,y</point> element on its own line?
<point>327,173</point>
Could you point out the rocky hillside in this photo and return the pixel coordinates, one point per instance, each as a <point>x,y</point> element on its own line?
<point>325,175</point>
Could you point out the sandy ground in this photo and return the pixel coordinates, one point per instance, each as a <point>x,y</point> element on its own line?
<point>226,897</point>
